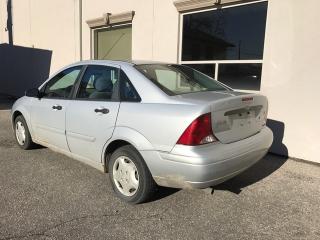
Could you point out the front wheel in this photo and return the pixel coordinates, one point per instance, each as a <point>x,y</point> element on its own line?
<point>130,177</point>
<point>22,133</point>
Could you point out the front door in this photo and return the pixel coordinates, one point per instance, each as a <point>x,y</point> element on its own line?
<point>48,113</point>
<point>92,114</point>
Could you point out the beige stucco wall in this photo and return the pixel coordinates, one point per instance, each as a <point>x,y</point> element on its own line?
<point>154,26</point>
<point>96,8</point>
<point>54,25</point>
<point>291,73</point>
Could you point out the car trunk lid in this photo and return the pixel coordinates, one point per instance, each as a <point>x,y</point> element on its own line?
<point>238,117</point>
<point>234,115</point>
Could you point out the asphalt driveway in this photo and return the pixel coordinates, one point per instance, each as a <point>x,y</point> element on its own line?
<point>45,195</point>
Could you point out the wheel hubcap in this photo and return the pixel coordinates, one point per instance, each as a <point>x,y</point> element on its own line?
<point>125,176</point>
<point>20,133</point>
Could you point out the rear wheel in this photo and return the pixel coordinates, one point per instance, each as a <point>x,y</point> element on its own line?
<point>130,177</point>
<point>22,133</point>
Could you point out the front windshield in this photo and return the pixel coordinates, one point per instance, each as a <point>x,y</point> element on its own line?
<point>178,79</point>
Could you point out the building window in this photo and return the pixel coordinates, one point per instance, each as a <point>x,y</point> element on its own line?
<point>112,43</point>
<point>208,69</point>
<point>226,43</point>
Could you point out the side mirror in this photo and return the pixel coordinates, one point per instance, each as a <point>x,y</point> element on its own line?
<point>33,92</point>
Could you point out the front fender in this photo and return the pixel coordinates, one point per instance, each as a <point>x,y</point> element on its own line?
<point>23,106</point>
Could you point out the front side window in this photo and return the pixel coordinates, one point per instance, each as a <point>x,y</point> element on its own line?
<point>98,83</point>
<point>177,79</point>
<point>60,86</point>
<point>228,35</point>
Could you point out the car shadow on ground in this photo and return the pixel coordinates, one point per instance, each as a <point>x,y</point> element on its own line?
<point>278,155</point>
<point>163,192</point>
<point>262,169</point>
<point>37,146</point>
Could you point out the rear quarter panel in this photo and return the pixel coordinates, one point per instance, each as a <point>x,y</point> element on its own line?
<point>160,123</point>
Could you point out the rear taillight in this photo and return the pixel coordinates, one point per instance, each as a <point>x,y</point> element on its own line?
<point>199,132</point>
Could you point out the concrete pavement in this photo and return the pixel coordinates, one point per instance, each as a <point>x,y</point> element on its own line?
<point>45,195</point>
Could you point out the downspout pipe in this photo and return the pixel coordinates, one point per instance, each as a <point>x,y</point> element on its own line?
<point>9,22</point>
<point>80,29</point>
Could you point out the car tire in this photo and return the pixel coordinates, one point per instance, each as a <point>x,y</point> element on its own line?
<point>22,134</point>
<point>130,177</point>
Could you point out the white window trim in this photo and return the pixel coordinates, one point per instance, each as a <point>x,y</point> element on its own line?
<point>108,19</point>
<point>99,28</point>
<point>215,62</point>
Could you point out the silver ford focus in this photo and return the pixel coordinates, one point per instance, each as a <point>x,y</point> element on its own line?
<point>146,124</point>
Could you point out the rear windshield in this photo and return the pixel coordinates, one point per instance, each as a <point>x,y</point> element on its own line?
<point>178,79</point>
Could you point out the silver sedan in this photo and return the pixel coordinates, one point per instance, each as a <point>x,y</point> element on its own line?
<point>146,124</point>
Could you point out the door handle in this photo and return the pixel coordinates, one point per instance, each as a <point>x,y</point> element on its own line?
<point>102,110</point>
<point>56,107</point>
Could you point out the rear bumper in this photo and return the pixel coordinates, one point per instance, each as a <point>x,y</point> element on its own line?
<point>207,165</point>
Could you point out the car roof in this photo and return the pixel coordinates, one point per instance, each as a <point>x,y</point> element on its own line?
<point>142,62</point>
<point>119,62</point>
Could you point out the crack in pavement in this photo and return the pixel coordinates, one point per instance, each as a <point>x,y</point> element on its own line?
<point>44,232</point>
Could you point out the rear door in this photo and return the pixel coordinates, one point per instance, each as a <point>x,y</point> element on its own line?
<point>92,113</point>
<point>48,113</point>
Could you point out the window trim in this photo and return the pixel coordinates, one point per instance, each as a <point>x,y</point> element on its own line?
<point>108,19</point>
<point>218,6</point>
<point>92,33</point>
<point>214,62</point>
<point>192,5</point>
<point>77,85</point>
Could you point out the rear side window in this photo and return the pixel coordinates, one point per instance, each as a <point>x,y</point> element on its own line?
<point>60,86</point>
<point>98,83</point>
<point>127,91</point>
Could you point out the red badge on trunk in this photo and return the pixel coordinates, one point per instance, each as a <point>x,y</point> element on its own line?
<point>247,99</point>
